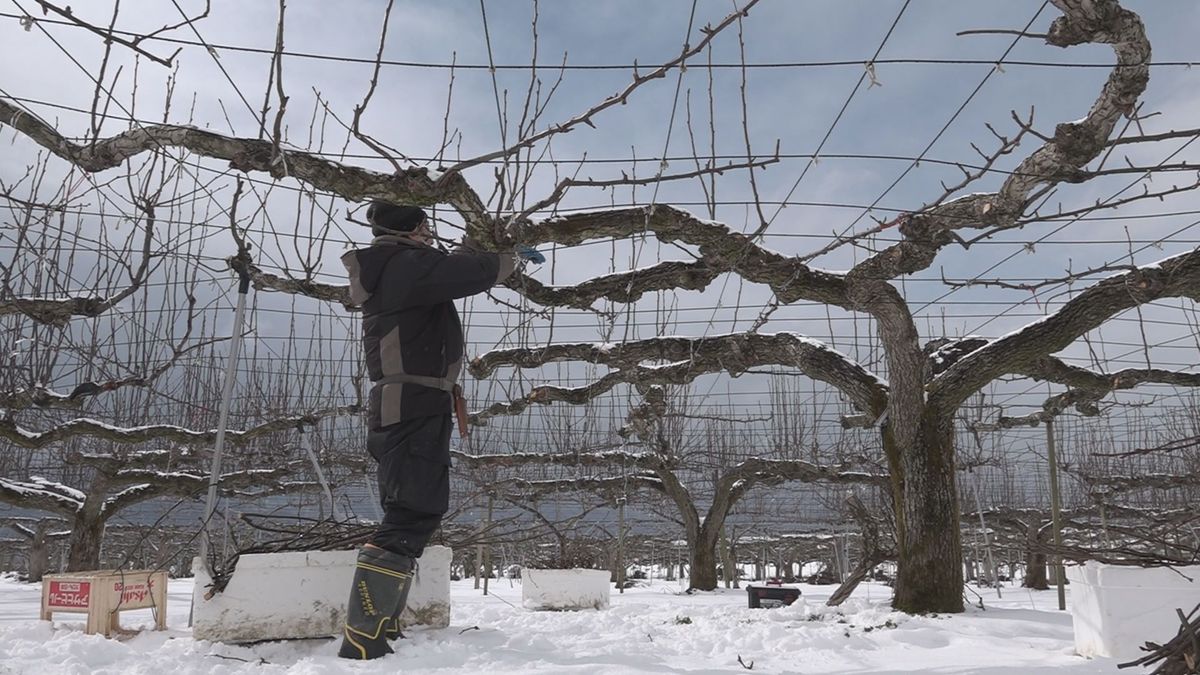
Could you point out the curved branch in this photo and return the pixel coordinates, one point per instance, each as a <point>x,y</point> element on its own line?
<point>722,249</point>
<point>412,186</point>
<point>607,486</point>
<point>759,471</point>
<point>24,438</point>
<point>39,495</point>
<point>689,358</point>
<point>1061,158</point>
<point>1177,276</point>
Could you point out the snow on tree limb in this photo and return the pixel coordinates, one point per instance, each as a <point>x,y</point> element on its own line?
<point>688,358</point>
<point>609,486</point>
<point>1177,276</point>
<point>41,495</point>
<point>11,432</point>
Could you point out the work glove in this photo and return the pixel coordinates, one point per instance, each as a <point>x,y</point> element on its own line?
<point>530,254</point>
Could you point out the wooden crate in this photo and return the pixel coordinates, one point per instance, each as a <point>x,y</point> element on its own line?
<point>102,595</point>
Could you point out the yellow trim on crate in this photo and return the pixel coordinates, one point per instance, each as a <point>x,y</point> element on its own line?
<point>384,570</point>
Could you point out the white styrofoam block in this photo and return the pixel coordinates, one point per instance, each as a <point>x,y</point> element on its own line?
<point>1115,609</point>
<point>565,589</point>
<point>298,594</point>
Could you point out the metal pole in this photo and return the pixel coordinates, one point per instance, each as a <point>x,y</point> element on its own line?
<point>312,457</point>
<point>214,475</point>
<point>487,552</point>
<point>1056,513</point>
<point>987,540</point>
<point>621,545</point>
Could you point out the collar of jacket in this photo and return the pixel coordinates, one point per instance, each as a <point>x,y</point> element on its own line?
<point>398,240</point>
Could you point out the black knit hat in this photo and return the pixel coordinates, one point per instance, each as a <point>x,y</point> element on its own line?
<point>386,218</point>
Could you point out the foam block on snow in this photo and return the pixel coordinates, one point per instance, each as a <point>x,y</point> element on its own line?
<point>1115,609</point>
<point>303,594</point>
<point>565,589</point>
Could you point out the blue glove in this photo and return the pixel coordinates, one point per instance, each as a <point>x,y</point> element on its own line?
<point>530,254</point>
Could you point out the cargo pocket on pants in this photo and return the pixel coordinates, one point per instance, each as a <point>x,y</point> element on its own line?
<point>414,474</point>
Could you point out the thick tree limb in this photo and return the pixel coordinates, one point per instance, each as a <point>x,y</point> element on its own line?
<point>145,485</point>
<point>413,186</point>
<point>1177,276</point>
<point>602,458</point>
<point>265,281</point>
<point>39,495</point>
<point>24,438</point>
<point>1061,158</point>
<point>1156,481</point>
<point>758,471</point>
<point>722,249</point>
<point>521,490</point>
<point>619,287</point>
<point>688,358</point>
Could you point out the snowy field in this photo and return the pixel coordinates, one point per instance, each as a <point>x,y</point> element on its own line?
<point>651,629</point>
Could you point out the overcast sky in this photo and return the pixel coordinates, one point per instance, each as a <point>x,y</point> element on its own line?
<point>789,104</point>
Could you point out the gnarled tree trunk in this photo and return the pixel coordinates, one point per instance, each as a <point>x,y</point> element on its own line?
<point>930,566</point>
<point>1035,560</point>
<point>87,529</point>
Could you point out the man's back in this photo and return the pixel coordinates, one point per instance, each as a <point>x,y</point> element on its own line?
<point>412,337</point>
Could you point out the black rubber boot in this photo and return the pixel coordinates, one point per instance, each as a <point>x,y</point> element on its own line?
<point>392,631</point>
<point>380,579</point>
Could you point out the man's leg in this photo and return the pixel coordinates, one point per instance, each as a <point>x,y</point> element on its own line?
<point>380,579</point>
<point>414,486</point>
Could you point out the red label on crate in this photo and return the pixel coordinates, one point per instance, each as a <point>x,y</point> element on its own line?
<point>131,592</point>
<point>73,594</point>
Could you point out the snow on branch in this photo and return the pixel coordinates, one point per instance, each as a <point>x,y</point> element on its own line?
<point>60,311</point>
<point>582,458</point>
<point>148,484</point>
<point>608,486</point>
<point>10,431</point>
<point>1023,350</point>
<point>688,358</point>
<point>41,495</point>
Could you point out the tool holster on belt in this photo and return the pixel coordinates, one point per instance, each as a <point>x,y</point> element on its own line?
<point>460,411</point>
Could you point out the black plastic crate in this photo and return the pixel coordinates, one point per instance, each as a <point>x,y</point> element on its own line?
<point>771,596</point>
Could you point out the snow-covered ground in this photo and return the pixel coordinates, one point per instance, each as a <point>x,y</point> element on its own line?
<point>651,629</point>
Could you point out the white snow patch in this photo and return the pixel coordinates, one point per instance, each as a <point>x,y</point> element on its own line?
<point>648,629</point>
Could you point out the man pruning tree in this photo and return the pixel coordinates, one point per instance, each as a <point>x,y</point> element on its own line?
<point>413,344</point>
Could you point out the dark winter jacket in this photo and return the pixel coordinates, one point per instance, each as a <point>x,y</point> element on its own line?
<point>412,338</point>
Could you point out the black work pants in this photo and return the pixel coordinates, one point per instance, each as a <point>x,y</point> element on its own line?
<point>414,481</point>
